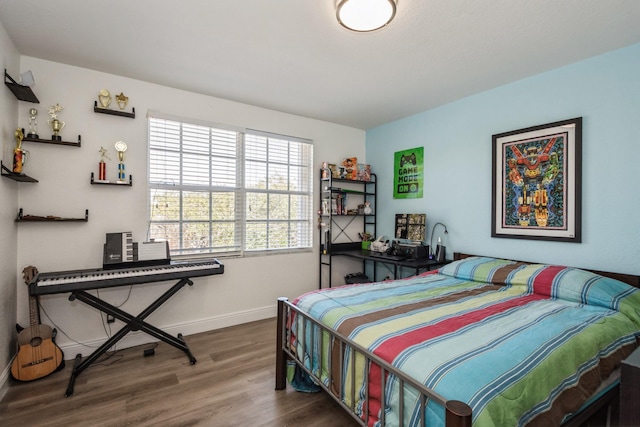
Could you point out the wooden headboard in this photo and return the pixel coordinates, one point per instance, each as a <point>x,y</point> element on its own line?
<point>631,279</point>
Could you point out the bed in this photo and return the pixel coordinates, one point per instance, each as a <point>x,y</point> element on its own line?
<point>481,341</point>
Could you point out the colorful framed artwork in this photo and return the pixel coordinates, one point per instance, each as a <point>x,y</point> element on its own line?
<point>537,182</point>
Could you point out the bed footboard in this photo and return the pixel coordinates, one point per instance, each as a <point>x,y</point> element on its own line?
<point>457,414</point>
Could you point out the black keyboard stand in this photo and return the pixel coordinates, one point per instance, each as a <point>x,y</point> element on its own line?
<point>133,323</point>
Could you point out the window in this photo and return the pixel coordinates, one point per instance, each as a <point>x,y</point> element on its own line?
<point>224,191</point>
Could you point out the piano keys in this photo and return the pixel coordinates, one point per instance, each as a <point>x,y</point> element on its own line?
<point>73,280</point>
<point>78,282</point>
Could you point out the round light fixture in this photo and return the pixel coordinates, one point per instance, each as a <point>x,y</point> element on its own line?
<point>365,15</point>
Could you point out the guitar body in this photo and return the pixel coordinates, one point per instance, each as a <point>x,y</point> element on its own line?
<point>38,355</point>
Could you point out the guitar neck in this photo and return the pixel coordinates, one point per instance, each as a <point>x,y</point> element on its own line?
<point>28,273</point>
<point>34,313</point>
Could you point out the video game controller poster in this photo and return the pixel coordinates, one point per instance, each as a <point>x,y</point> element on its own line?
<point>408,174</point>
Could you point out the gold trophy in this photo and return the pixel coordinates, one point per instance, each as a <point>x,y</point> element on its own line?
<point>56,125</point>
<point>121,147</point>
<point>19,155</point>
<point>104,97</point>
<point>122,100</point>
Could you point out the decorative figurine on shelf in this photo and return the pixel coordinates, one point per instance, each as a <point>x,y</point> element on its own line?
<point>102,166</point>
<point>121,147</point>
<point>56,125</point>
<point>19,155</point>
<point>325,170</point>
<point>122,100</point>
<point>367,208</point>
<point>33,124</point>
<point>104,97</point>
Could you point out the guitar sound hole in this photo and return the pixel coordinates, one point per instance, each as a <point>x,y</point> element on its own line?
<point>35,341</point>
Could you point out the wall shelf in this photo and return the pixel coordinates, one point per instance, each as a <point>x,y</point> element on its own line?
<point>111,112</point>
<point>121,184</point>
<point>50,218</point>
<point>54,141</point>
<point>23,93</point>
<point>20,177</point>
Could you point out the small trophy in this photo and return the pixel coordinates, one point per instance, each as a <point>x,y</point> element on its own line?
<point>104,97</point>
<point>56,125</point>
<point>19,155</point>
<point>121,147</point>
<point>122,100</point>
<point>102,166</point>
<point>33,124</point>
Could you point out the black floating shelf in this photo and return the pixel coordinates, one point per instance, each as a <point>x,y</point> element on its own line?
<point>55,141</point>
<point>23,93</point>
<point>121,184</point>
<point>20,177</point>
<point>97,109</point>
<point>51,218</point>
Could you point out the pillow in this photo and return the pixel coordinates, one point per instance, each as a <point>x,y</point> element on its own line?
<point>555,281</point>
<point>482,269</point>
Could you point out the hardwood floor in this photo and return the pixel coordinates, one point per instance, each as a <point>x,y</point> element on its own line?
<point>232,384</point>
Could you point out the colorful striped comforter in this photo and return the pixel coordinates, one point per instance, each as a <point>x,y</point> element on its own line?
<point>522,344</point>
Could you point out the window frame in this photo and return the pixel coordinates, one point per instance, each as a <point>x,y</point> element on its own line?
<point>302,224</point>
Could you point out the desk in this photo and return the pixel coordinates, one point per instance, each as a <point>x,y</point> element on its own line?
<point>398,263</point>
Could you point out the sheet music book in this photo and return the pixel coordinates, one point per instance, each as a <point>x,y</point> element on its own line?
<point>120,251</point>
<point>153,250</point>
<point>119,247</point>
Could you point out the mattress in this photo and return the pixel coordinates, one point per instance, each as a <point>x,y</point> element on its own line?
<point>521,344</point>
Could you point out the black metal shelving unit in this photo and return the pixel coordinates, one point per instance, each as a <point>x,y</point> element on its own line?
<point>342,227</point>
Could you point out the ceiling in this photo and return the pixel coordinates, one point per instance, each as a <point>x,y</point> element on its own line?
<point>293,56</point>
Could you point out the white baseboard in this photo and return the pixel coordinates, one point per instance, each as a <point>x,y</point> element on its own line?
<point>4,380</point>
<point>136,338</point>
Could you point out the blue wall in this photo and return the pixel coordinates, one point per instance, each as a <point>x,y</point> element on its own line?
<point>604,91</point>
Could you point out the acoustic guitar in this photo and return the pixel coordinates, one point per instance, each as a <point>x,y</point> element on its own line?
<point>38,355</point>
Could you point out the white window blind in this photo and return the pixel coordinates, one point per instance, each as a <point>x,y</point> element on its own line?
<point>225,192</point>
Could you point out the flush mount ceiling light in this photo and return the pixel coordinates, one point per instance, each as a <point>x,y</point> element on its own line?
<point>365,15</point>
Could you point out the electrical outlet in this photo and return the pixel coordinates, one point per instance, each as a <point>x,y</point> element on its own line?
<point>110,318</point>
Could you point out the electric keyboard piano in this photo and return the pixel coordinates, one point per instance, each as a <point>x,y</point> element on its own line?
<point>69,281</point>
<point>78,282</point>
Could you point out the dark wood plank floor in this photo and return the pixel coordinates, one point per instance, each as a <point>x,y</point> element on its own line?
<point>232,384</point>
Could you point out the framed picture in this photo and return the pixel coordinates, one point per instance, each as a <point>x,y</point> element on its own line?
<point>408,173</point>
<point>536,182</point>
<point>411,227</point>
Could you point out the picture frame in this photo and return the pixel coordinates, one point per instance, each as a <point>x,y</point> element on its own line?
<point>411,227</point>
<point>537,182</point>
<point>408,175</point>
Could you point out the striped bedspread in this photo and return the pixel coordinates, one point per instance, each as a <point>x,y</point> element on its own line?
<point>522,344</point>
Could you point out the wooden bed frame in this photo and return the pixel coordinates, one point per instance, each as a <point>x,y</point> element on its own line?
<point>457,414</point>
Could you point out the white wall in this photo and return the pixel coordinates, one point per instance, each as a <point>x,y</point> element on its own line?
<point>248,289</point>
<point>8,203</point>
<point>604,90</point>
